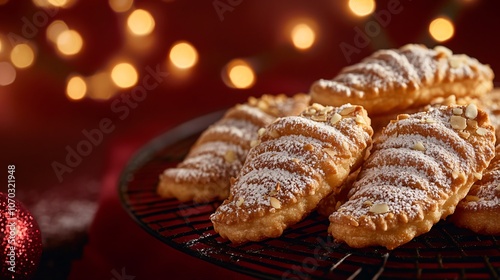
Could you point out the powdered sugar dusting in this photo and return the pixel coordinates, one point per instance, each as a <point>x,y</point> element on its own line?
<point>287,164</point>
<point>414,168</point>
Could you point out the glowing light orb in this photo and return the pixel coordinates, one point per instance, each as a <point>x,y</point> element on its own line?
<point>362,8</point>
<point>140,22</point>
<point>76,88</point>
<point>303,36</point>
<point>120,6</point>
<point>183,55</point>
<point>22,56</point>
<point>239,74</point>
<point>124,75</point>
<point>441,29</point>
<point>69,42</point>
<point>7,73</point>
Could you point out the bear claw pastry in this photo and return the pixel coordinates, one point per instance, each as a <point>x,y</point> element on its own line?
<point>480,210</point>
<point>395,79</point>
<point>420,167</point>
<point>220,151</point>
<point>299,161</point>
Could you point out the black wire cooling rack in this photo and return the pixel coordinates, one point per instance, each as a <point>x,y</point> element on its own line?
<point>304,251</point>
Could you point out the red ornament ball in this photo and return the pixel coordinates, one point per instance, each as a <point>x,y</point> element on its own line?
<point>21,240</point>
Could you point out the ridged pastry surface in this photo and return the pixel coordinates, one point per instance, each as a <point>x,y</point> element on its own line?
<point>420,167</point>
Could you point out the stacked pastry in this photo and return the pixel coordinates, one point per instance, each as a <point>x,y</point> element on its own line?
<point>220,151</point>
<point>432,144</point>
<point>299,161</point>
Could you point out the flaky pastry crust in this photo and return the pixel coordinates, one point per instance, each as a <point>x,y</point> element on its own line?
<point>299,161</point>
<point>420,167</point>
<point>392,80</point>
<point>220,151</point>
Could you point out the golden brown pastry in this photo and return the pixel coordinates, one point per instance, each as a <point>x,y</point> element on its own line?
<point>480,210</point>
<point>220,151</point>
<point>490,102</point>
<point>331,203</point>
<point>299,161</point>
<point>420,167</point>
<point>395,79</point>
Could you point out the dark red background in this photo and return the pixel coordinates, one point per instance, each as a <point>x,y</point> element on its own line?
<point>38,122</point>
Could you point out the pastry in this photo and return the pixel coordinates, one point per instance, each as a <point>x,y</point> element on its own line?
<point>419,168</point>
<point>490,102</point>
<point>221,149</point>
<point>331,203</point>
<point>299,161</point>
<point>395,79</point>
<point>480,210</point>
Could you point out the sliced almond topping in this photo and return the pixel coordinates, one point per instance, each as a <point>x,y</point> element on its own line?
<point>240,201</point>
<point>419,146</point>
<point>457,111</point>
<point>497,188</point>
<point>319,118</point>
<point>273,193</point>
<point>317,106</point>
<point>472,198</point>
<point>273,133</point>
<point>347,111</point>
<point>263,105</point>
<point>472,124</point>
<point>455,62</point>
<point>360,120</point>
<point>379,208</point>
<point>275,203</point>
<point>458,122</point>
<point>345,145</point>
<point>444,50</point>
<point>454,173</point>
<point>296,160</point>
<point>261,131</point>
<point>331,152</point>
<point>402,117</point>
<point>254,143</point>
<point>471,111</point>
<point>278,186</point>
<point>308,147</point>
<point>230,156</point>
<point>335,118</point>
<point>481,131</point>
<point>252,101</point>
<point>430,120</point>
<point>464,134</point>
<point>478,175</point>
<point>367,203</point>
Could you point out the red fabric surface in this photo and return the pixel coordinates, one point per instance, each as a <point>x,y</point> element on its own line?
<point>118,246</point>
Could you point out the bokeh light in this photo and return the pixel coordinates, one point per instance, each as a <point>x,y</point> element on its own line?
<point>55,29</point>
<point>120,6</point>
<point>140,22</point>
<point>58,3</point>
<point>183,55</point>
<point>238,74</point>
<point>1,45</point>
<point>303,36</point>
<point>69,42</point>
<point>76,88</point>
<point>22,56</point>
<point>441,29</point>
<point>124,75</point>
<point>7,73</point>
<point>362,7</point>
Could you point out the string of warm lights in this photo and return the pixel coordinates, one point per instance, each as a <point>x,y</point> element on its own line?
<point>121,73</point>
